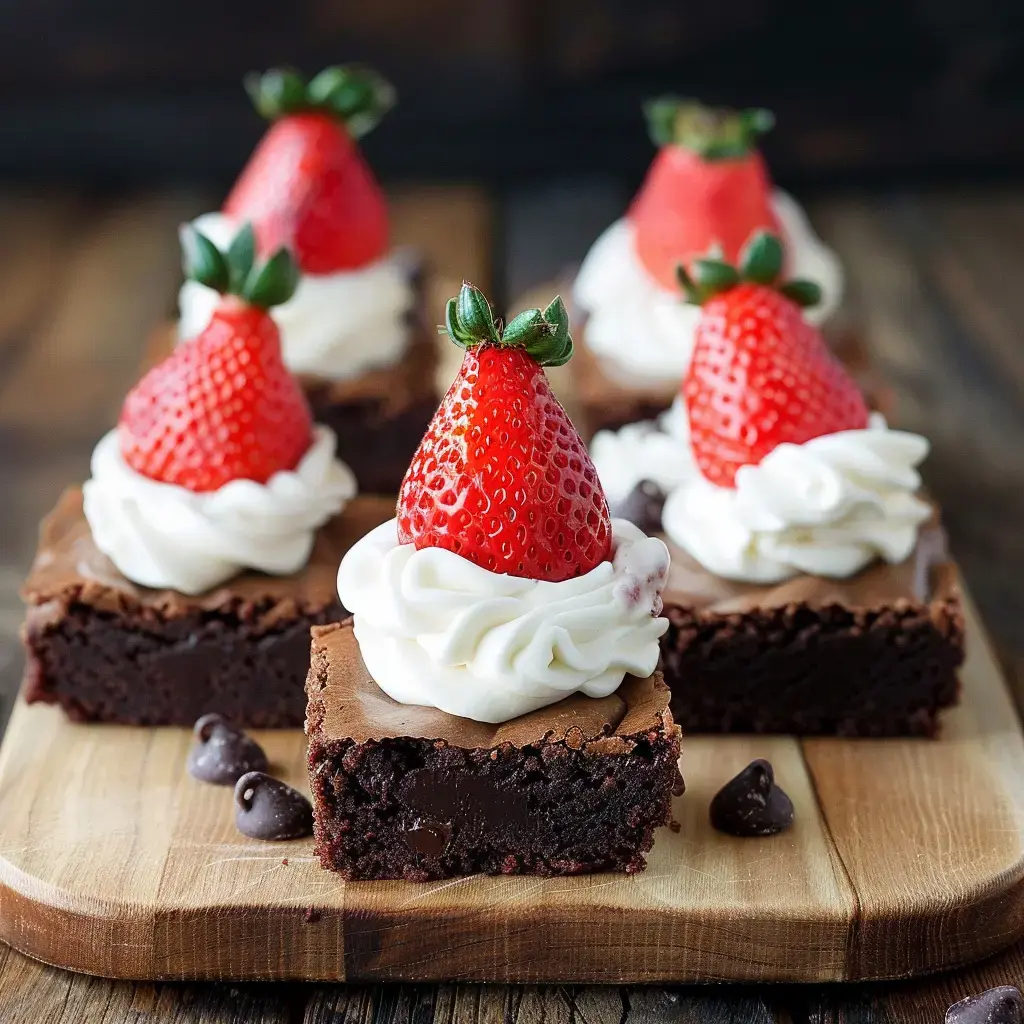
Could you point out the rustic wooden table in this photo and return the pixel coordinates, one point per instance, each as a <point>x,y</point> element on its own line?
<point>936,280</point>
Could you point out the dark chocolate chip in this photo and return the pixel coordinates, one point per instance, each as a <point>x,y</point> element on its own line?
<point>221,753</point>
<point>642,506</point>
<point>751,804</point>
<point>267,808</point>
<point>428,837</point>
<point>1003,1005</point>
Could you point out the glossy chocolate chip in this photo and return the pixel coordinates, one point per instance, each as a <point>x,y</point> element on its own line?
<point>267,808</point>
<point>751,804</point>
<point>642,506</point>
<point>1003,1005</point>
<point>221,753</point>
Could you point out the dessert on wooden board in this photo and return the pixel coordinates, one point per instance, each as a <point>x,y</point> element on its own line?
<point>810,590</point>
<point>184,577</point>
<point>493,706</point>
<point>708,190</point>
<point>355,330</point>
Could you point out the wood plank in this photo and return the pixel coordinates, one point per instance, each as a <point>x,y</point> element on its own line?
<point>37,231</point>
<point>121,278</point>
<point>33,993</point>
<point>949,386</point>
<point>495,1004</point>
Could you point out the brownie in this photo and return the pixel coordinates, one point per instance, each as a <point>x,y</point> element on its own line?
<point>402,791</point>
<point>380,416</point>
<point>107,650</point>
<point>874,655</point>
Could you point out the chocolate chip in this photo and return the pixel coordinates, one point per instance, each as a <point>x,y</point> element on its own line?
<point>1003,1005</point>
<point>221,753</point>
<point>751,804</point>
<point>642,506</point>
<point>428,837</point>
<point>267,808</point>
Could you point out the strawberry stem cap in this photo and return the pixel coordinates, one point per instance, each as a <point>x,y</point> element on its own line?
<point>354,94</point>
<point>543,334</point>
<point>714,133</point>
<point>760,263</point>
<point>234,271</point>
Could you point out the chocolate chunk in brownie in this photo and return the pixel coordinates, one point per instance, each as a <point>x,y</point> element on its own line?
<point>402,791</point>
<point>108,650</point>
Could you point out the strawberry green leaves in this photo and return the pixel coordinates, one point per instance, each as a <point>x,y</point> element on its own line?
<point>354,94</point>
<point>710,132</point>
<point>544,335</point>
<point>761,262</point>
<point>235,270</point>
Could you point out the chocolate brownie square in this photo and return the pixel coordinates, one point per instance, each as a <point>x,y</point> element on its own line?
<point>873,655</point>
<point>107,650</point>
<point>402,791</point>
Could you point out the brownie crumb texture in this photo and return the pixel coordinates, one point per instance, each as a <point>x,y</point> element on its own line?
<point>419,809</point>
<point>815,671</point>
<point>374,442</point>
<point>105,667</point>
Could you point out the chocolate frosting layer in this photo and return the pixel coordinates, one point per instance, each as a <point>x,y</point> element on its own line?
<point>927,576</point>
<point>69,567</point>
<point>346,704</point>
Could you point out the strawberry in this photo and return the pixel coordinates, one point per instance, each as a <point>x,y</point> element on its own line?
<point>708,187</point>
<point>760,374</point>
<point>501,477</point>
<point>222,407</point>
<point>307,185</point>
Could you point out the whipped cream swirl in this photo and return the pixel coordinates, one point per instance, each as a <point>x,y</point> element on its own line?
<point>335,325</point>
<point>646,332</point>
<point>828,507</point>
<point>164,536</point>
<point>656,450</point>
<point>438,630</point>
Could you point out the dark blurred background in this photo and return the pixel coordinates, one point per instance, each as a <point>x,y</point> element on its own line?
<point>122,92</point>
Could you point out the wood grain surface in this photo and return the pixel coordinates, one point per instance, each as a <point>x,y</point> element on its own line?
<point>935,277</point>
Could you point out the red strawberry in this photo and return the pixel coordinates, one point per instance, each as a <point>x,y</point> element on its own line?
<point>760,374</point>
<point>307,185</point>
<point>707,187</point>
<point>222,407</point>
<point>501,477</point>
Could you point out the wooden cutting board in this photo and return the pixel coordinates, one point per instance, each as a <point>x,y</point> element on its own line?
<point>906,856</point>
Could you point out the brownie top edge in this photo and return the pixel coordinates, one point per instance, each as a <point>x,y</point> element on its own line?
<point>928,577</point>
<point>68,568</point>
<point>353,707</point>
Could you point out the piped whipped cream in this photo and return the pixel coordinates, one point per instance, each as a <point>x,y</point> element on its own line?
<point>165,536</point>
<point>335,325</point>
<point>436,629</point>
<point>828,507</point>
<point>645,331</point>
<point>656,450</point>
